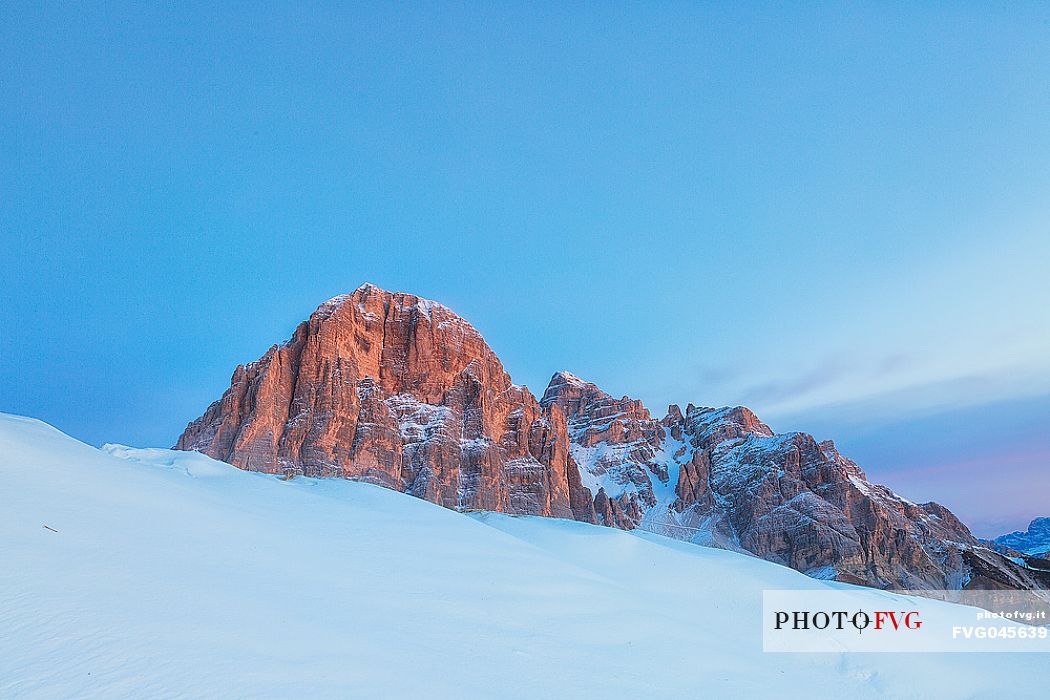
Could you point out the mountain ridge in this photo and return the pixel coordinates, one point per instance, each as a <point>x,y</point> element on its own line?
<point>1034,541</point>
<point>400,391</point>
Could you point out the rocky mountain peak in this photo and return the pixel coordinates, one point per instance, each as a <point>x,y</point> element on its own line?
<point>575,396</point>
<point>398,390</point>
<point>1034,541</point>
<point>674,415</point>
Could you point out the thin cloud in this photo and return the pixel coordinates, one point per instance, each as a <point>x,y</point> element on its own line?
<point>830,371</point>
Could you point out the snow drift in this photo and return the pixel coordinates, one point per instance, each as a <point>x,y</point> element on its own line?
<point>132,573</point>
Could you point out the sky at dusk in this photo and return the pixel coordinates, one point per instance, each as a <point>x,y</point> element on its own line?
<point>839,217</point>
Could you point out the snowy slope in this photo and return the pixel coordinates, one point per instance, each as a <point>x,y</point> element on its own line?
<point>172,575</point>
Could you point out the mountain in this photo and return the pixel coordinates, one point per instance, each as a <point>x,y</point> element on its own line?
<point>722,477</point>
<point>148,573</point>
<point>399,391</point>
<point>1035,541</point>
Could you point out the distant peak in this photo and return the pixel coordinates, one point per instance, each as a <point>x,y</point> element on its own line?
<point>567,387</point>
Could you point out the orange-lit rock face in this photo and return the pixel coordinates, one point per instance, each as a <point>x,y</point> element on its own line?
<point>399,391</point>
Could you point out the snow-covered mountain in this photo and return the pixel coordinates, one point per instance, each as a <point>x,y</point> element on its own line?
<point>721,477</point>
<point>399,391</point>
<point>1034,541</point>
<point>150,573</point>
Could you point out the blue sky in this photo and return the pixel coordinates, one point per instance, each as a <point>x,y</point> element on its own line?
<point>835,215</point>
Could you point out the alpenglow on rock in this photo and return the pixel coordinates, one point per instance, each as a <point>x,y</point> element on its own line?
<point>400,391</point>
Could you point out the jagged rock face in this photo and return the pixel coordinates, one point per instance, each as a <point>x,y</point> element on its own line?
<point>721,477</point>
<point>399,391</point>
<point>620,443</point>
<point>1034,541</point>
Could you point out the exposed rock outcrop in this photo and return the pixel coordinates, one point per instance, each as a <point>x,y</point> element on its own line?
<point>400,391</point>
<point>721,477</point>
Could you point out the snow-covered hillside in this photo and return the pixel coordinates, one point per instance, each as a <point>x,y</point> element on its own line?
<point>149,573</point>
